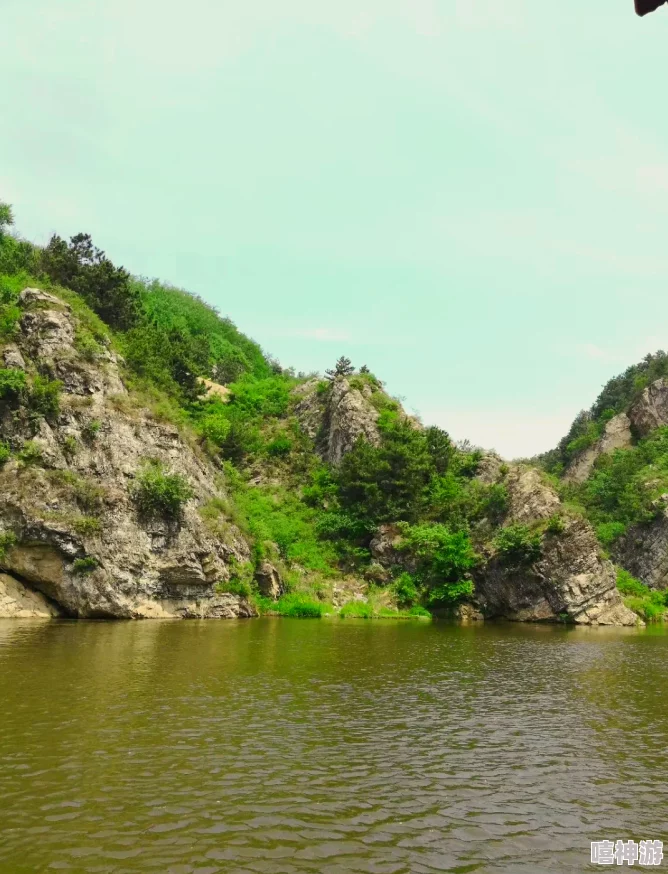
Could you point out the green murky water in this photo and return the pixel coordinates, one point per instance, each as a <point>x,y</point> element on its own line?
<point>327,746</point>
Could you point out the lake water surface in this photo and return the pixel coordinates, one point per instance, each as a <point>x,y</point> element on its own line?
<point>278,745</point>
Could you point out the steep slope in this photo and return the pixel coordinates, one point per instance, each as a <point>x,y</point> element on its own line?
<point>616,469</point>
<point>154,462</point>
<point>78,535</point>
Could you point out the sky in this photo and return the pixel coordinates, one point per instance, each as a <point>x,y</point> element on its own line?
<point>468,196</point>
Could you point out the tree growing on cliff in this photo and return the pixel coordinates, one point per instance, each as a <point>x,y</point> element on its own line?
<point>343,367</point>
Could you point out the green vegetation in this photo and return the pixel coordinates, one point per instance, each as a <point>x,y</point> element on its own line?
<point>7,540</point>
<point>90,430</point>
<point>190,366</point>
<point>235,587</point>
<point>356,610</point>
<point>295,605</point>
<point>84,565</point>
<point>648,603</point>
<point>625,486</point>
<point>30,454</point>
<point>519,544</point>
<point>12,384</point>
<point>158,493</point>
<point>5,452</point>
<point>617,396</point>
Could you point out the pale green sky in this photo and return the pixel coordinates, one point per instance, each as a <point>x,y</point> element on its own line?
<point>469,196</point>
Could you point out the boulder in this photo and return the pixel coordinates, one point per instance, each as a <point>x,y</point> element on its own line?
<point>269,580</point>
<point>19,602</point>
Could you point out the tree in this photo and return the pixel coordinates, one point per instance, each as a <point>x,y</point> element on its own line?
<point>364,369</point>
<point>343,367</point>
<point>389,482</point>
<point>440,448</point>
<point>6,217</point>
<point>84,268</point>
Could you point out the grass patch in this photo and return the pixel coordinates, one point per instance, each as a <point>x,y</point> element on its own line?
<point>356,610</point>
<point>293,605</point>
<point>84,565</point>
<point>7,540</point>
<point>648,603</point>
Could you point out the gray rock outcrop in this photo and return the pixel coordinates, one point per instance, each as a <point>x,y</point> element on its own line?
<point>80,540</point>
<point>269,580</point>
<point>650,411</point>
<point>643,551</point>
<point>19,602</point>
<point>616,435</point>
<point>570,580</point>
<point>337,417</point>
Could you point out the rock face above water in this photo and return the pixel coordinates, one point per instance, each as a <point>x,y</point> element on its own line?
<point>74,501</point>
<point>19,602</point>
<point>569,581</point>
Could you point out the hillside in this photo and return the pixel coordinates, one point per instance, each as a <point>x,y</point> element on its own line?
<point>613,467</point>
<point>155,462</point>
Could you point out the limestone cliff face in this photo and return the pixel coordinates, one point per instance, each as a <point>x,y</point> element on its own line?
<point>71,499</point>
<point>616,435</point>
<point>643,551</point>
<point>570,578</point>
<point>336,417</point>
<point>650,411</point>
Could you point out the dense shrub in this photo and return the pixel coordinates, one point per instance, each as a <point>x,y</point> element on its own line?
<point>279,447</point>
<point>624,486</point>
<point>405,590</point>
<point>298,606</point>
<point>7,540</point>
<point>443,560</point>
<point>235,586</point>
<point>388,482</point>
<point>158,493</point>
<point>518,543</point>
<point>5,452</point>
<point>648,603</point>
<point>45,397</point>
<point>84,565</point>
<point>12,384</point>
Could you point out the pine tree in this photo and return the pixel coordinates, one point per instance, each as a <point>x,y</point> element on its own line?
<point>343,367</point>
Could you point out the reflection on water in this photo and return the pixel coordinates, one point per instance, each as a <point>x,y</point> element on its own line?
<point>326,746</point>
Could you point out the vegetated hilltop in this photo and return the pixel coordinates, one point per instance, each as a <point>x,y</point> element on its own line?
<point>154,462</point>
<point>612,466</point>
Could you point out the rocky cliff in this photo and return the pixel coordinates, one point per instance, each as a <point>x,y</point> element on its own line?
<point>569,580</point>
<point>75,542</point>
<point>336,415</point>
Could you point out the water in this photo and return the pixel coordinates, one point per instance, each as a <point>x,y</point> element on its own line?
<point>327,746</point>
